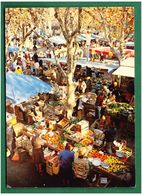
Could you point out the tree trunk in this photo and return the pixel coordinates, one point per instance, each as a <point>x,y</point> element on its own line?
<point>71,85</point>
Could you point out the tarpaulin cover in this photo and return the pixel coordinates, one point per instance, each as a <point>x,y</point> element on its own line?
<point>21,87</point>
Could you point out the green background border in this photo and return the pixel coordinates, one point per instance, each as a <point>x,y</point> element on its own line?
<point>137,188</point>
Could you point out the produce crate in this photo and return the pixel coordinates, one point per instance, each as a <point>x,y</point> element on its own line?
<point>52,165</point>
<point>62,124</point>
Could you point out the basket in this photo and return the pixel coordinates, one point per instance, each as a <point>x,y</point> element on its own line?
<point>128,152</point>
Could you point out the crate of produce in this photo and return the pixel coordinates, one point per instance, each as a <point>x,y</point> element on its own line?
<point>76,128</point>
<point>62,124</point>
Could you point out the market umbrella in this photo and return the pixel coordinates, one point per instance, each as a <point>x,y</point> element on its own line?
<point>20,88</point>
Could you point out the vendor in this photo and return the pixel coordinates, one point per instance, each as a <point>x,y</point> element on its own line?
<point>81,87</point>
<point>106,90</point>
<point>114,88</point>
<point>110,137</point>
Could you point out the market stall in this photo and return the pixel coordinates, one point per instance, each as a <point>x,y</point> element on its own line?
<point>107,66</point>
<point>80,137</point>
<point>106,51</point>
<point>126,74</point>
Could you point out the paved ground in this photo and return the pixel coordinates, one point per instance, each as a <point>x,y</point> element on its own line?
<point>24,175</point>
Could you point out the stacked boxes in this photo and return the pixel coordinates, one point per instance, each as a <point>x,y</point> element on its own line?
<point>52,165</point>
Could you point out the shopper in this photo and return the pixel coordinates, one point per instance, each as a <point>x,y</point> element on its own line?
<point>88,84</point>
<point>37,153</point>
<point>99,105</point>
<point>66,158</point>
<point>101,57</point>
<point>10,138</point>
<point>18,70</point>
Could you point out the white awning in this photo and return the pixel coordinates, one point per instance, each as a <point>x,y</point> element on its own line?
<point>109,67</point>
<point>125,71</point>
<point>128,62</point>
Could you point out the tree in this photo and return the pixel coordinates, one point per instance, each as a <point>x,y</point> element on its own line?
<point>70,24</point>
<point>21,22</point>
<point>117,23</point>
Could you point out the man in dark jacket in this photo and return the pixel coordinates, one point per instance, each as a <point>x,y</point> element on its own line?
<point>66,158</point>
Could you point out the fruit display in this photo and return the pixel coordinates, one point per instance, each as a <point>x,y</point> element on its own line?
<point>60,147</point>
<point>115,166</point>
<point>123,109</point>
<point>88,133</point>
<point>119,107</point>
<point>76,128</point>
<point>87,141</point>
<point>76,137</point>
<point>52,138</point>
<point>96,154</point>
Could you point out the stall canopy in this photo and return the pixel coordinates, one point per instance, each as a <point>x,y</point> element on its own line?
<point>20,88</point>
<point>106,51</point>
<point>83,37</point>
<point>58,40</point>
<point>126,69</point>
<point>61,40</point>
<point>110,67</point>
